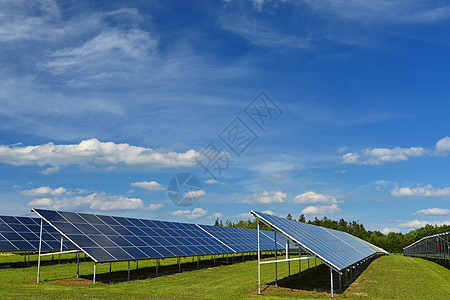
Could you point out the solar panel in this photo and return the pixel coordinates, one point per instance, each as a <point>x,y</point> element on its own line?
<point>22,234</point>
<point>337,248</point>
<point>107,238</point>
<point>243,239</point>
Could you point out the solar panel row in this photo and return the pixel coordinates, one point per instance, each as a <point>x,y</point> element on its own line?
<point>338,248</point>
<point>22,234</point>
<point>107,238</point>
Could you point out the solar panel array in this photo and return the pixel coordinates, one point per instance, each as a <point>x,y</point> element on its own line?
<point>338,248</point>
<point>107,238</point>
<point>22,234</point>
<point>242,239</point>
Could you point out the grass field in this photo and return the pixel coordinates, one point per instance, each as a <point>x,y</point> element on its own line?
<point>389,277</point>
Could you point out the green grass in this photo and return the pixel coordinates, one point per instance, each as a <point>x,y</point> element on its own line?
<point>391,277</point>
<point>400,277</point>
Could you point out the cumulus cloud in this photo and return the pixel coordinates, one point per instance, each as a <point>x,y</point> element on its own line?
<point>423,191</point>
<point>267,197</point>
<point>386,230</point>
<point>418,224</point>
<point>211,181</point>
<point>380,156</point>
<point>94,152</point>
<point>322,210</point>
<point>433,211</point>
<point>443,146</point>
<point>94,201</point>
<point>215,215</point>
<point>148,185</point>
<point>312,197</point>
<point>191,214</point>
<point>44,191</point>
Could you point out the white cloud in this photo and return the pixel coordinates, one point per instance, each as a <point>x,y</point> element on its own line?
<point>418,224</point>
<point>94,201</point>
<point>245,216</point>
<point>267,197</point>
<point>322,210</point>
<point>269,212</point>
<point>443,145</point>
<point>312,197</point>
<point>44,191</point>
<point>155,206</point>
<point>191,214</point>
<point>41,202</point>
<point>211,181</point>
<point>380,156</point>
<point>386,230</point>
<point>215,215</point>
<point>148,185</point>
<point>433,211</point>
<point>424,191</point>
<point>94,152</point>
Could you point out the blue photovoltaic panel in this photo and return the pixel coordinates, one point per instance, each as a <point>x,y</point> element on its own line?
<point>22,234</point>
<point>107,238</point>
<point>242,239</point>
<point>338,248</point>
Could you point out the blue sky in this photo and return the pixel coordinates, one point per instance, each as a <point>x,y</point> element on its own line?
<point>102,103</point>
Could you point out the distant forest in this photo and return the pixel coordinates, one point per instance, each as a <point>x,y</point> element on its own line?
<point>393,242</point>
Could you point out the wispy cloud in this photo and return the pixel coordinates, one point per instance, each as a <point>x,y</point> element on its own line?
<point>94,152</point>
<point>377,11</point>
<point>386,230</point>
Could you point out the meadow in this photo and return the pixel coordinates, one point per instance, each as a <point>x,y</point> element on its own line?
<point>388,277</point>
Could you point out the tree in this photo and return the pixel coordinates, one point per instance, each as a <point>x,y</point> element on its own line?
<point>302,218</point>
<point>217,222</point>
<point>289,217</point>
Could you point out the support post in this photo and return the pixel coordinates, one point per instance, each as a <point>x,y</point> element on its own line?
<point>198,262</point>
<point>259,261</point>
<point>299,261</point>
<point>78,264</point>
<point>95,269</point>
<point>40,248</point>
<point>276,280</point>
<point>28,264</point>
<point>340,282</point>
<point>110,267</point>
<point>331,282</point>
<point>157,266</point>
<point>60,249</point>
<point>287,257</point>
<point>128,279</point>
<point>214,259</point>
<point>308,265</point>
<point>315,262</point>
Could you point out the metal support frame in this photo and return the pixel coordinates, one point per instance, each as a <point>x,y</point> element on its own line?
<point>157,266</point>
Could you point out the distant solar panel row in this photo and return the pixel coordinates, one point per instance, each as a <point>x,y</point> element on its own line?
<point>338,248</point>
<point>22,234</point>
<point>107,238</point>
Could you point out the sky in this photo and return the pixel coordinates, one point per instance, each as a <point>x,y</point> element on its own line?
<point>195,110</point>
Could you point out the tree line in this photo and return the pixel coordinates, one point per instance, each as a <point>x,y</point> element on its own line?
<point>393,242</point>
